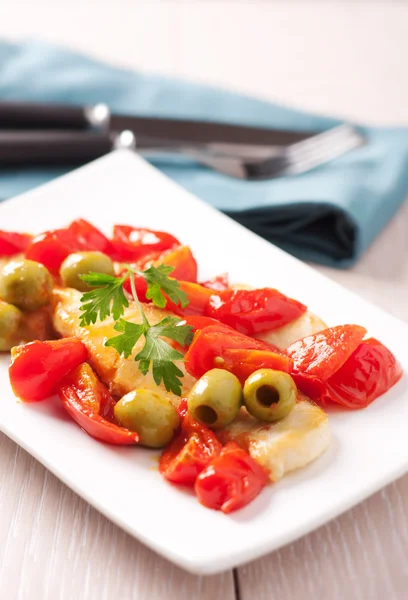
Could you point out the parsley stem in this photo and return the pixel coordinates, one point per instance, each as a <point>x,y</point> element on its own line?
<point>135,296</point>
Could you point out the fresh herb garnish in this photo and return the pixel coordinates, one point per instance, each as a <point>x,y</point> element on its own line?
<point>108,298</point>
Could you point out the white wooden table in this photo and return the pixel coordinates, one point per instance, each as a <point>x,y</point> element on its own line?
<point>339,57</point>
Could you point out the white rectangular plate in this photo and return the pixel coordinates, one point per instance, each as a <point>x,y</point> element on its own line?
<point>369,447</point>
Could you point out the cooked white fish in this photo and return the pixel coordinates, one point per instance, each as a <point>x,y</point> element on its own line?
<point>121,375</point>
<point>283,337</point>
<point>289,444</point>
<point>280,447</point>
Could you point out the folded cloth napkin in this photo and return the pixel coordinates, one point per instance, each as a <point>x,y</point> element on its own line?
<point>329,215</point>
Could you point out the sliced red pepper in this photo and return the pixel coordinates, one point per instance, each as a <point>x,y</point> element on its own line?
<point>368,373</point>
<point>198,297</point>
<point>90,404</point>
<point>37,368</point>
<point>218,283</point>
<point>212,348</point>
<point>322,354</point>
<point>253,311</point>
<point>182,408</point>
<point>12,242</point>
<point>189,453</point>
<point>231,481</point>
<point>132,243</point>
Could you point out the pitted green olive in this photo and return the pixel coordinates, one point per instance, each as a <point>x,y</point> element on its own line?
<point>26,284</point>
<point>150,414</point>
<point>82,263</point>
<point>269,395</point>
<point>10,319</point>
<point>215,399</point>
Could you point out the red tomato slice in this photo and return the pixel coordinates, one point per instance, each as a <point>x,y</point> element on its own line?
<point>231,481</point>
<point>218,283</point>
<point>368,373</point>
<point>132,243</point>
<point>198,297</point>
<point>37,368</point>
<point>90,405</point>
<point>211,348</point>
<point>198,322</point>
<point>253,311</point>
<point>323,353</point>
<point>188,454</point>
<point>51,248</point>
<point>244,362</point>
<point>183,261</point>
<point>87,237</point>
<point>12,242</point>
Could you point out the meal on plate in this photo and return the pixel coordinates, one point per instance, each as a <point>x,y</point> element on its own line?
<point>231,382</point>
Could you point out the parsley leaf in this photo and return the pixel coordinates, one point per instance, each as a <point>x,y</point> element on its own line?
<point>158,281</point>
<point>158,352</point>
<point>107,298</point>
<point>131,332</point>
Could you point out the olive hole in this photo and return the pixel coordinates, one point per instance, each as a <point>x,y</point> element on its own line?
<point>206,414</point>
<point>267,395</point>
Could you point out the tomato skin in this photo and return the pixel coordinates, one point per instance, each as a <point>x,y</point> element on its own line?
<point>51,248</point>
<point>189,453</point>
<point>198,322</point>
<point>87,237</point>
<point>183,261</point>
<point>36,368</point>
<point>218,283</point>
<point>12,242</point>
<point>244,362</point>
<point>132,243</point>
<point>368,373</point>
<point>198,297</point>
<point>231,481</point>
<point>235,350</point>
<point>253,311</point>
<point>320,355</point>
<point>90,405</point>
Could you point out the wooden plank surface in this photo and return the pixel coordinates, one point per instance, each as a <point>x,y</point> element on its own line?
<point>343,57</point>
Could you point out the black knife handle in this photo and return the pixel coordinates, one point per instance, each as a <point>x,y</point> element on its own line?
<point>27,115</point>
<point>35,148</point>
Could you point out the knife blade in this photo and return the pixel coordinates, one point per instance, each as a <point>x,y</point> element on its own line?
<point>23,115</point>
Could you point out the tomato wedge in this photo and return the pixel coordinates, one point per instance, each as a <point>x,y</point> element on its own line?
<point>189,453</point>
<point>37,368</point>
<point>86,236</point>
<point>221,347</point>
<point>253,311</point>
<point>132,243</point>
<point>368,373</point>
<point>90,405</point>
<point>12,242</point>
<point>322,354</point>
<point>231,481</point>
<point>198,297</point>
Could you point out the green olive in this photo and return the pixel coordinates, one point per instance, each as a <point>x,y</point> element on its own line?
<point>26,284</point>
<point>10,319</point>
<point>215,399</point>
<point>269,395</point>
<point>82,263</point>
<point>150,414</point>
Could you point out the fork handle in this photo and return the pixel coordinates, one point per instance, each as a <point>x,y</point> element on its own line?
<point>26,115</point>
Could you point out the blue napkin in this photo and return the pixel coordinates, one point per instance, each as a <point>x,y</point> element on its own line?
<point>329,215</point>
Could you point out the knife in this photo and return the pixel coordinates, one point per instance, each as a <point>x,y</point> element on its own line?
<point>23,115</point>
